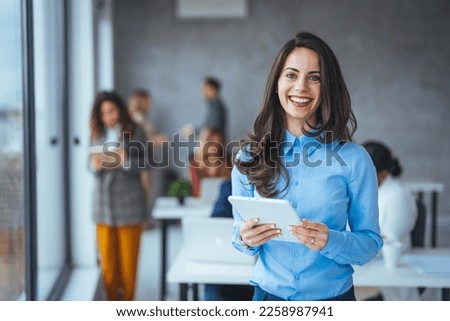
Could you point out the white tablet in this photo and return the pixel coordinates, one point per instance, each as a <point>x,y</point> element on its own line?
<point>101,149</point>
<point>97,149</point>
<point>278,212</point>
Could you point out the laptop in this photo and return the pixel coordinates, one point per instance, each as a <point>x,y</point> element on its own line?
<point>210,189</point>
<point>208,240</point>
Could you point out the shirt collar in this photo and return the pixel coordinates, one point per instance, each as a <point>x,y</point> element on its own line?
<point>290,141</point>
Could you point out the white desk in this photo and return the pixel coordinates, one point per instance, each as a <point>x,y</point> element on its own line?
<point>433,188</point>
<point>168,209</point>
<point>373,274</point>
<point>185,272</point>
<point>425,187</point>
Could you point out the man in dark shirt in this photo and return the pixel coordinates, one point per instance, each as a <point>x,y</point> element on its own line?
<point>216,113</point>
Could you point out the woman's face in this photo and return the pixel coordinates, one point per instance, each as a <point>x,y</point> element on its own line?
<point>211,143</point>
<point>146,105</point>
<point>109,114</point>
<point>299,89</point>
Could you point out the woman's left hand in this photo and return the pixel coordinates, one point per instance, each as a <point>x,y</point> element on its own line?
<point>313,234</point>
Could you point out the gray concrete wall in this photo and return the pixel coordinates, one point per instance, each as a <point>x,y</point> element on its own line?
<point>394,55</point>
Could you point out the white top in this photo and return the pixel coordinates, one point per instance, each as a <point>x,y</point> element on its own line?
<point>398,214</point>
<point>113,134</point>
<point>397,210</point>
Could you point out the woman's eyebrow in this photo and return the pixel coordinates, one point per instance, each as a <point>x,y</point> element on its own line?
<point>291,68</point>
<point>296,70</point>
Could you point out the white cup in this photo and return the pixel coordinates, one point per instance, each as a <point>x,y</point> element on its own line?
<point>392,251</point>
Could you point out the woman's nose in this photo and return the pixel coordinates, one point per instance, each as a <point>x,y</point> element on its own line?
<point>301,84</point>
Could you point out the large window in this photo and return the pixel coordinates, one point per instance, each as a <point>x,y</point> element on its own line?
<point>50,140</point>
<point>12,267</point>
<point>34,237</point>
<point>12,257</point>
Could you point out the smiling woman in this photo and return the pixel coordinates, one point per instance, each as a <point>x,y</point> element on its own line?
<point>306,111</point>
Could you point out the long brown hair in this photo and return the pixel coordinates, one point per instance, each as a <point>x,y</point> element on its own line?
<point>335,118</point>
<point>96,124</point>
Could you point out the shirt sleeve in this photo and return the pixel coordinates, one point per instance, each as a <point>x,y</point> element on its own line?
<point>363,241</point>
<point>240,187</point>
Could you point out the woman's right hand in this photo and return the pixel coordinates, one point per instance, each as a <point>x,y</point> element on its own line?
<point>255,235</point>
<point>110,161</point>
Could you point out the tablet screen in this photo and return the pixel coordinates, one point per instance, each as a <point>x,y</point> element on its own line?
<point>278,212</point>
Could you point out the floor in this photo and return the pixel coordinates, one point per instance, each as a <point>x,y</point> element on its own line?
<point>149,268</point>
<point>149,264</point>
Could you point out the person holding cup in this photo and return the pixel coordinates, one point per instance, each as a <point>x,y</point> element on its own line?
<point>397,214</point>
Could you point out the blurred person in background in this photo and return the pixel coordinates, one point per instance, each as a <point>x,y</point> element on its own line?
<point>139,106</point>
<point>397,209</point>
<point>216,111</point>
<point>208,159</point>
<point>117,157</point>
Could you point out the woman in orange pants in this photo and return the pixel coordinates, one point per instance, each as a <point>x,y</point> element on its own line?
<point>117,156</point>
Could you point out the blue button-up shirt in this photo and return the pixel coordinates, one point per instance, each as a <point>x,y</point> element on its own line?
<point>334,184</point>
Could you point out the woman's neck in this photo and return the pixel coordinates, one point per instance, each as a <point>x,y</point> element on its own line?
<point>298,128</point>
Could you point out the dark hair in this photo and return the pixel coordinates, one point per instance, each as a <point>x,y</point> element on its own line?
<point>96,124</point>
<point>213,82</point>
<point>335,118</point>
<point>382,158</point>
<point>141,92</point>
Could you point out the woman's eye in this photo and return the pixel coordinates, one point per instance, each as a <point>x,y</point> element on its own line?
<point>314,77</point>
<point>290,76</point>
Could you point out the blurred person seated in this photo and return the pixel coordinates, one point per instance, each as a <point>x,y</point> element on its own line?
<point>397,209</point>
<point>208,159</point>
<point>223,208</point>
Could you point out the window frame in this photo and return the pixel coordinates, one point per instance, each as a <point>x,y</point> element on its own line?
<point>30,176</point>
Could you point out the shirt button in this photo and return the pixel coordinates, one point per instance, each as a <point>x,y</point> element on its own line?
<point>296,253</point>
<point>294,204</point>
<point>296,183</point>
<point>297,276</point>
